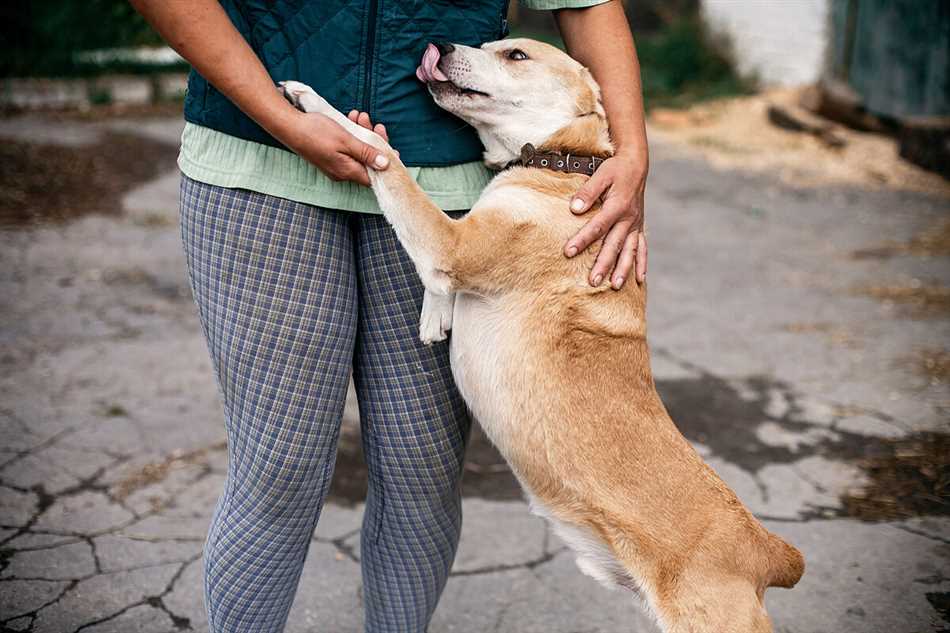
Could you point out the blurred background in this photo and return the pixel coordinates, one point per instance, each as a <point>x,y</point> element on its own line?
<point>798,210</point>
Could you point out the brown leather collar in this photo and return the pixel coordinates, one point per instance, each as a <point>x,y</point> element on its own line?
<point>556,161</point>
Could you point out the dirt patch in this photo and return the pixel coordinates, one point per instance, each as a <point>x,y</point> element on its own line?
<point>52,184</point>
<point>836,334</point>
<point>916,299</point>
<point>106,111</point>
<point>908,477</point>
<point>156,472</point>
<point>934,242</point>
<point>934,365</point>
<point>940,601</point>
<point>736,133</point>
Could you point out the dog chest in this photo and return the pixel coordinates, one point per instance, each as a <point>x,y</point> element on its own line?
<point>484,345</point>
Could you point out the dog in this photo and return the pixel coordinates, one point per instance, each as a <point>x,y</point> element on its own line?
<point>556,371</point>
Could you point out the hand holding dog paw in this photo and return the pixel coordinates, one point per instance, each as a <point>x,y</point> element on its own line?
<point>620,183</point>
<point>336,152</point>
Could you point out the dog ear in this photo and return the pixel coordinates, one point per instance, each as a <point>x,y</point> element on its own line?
<point>591,99</point>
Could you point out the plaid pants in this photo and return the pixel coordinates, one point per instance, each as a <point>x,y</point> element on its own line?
<point>291,297</point>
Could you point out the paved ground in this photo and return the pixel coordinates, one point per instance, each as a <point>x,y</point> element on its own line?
<point>798,338</point>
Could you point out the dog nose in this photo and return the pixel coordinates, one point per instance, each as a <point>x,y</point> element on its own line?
<point>444,47</point>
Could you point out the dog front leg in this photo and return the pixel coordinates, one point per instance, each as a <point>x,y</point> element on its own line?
<point>425,231</point>
<point>436,318</point>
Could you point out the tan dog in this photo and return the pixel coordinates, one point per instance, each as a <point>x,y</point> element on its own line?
<point>557,372</point>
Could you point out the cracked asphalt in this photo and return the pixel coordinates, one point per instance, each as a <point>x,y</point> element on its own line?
<point>794,361</point>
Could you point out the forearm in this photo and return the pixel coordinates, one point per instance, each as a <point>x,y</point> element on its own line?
<point>599,37</point>
<point>202,33</point>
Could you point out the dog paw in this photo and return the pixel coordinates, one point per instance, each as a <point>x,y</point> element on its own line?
<point>293,91</point>
<point>436,318</point>
<point>305,99</point>
<point>432,331</point>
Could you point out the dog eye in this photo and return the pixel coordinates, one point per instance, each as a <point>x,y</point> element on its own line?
<point>517,54</point>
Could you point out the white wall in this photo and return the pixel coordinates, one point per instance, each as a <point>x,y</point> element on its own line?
<point>782,42</point>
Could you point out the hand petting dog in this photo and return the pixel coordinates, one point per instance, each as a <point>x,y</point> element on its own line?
<point>620,183</point>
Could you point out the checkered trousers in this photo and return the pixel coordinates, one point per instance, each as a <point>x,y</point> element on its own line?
<point>291,297</point>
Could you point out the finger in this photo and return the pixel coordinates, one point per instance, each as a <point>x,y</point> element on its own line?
<point>381,130</point>
<point>364,121</point>
<point>642,258</point>
<point>595,228</point>
<point>353,115</point>
<point>625,262</point>
<point>609,252</point>
<point>348,169</point>
<point>590,192</point>
<point>601,222</point>
<point>364,153</point>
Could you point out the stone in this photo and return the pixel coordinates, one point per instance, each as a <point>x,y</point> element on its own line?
<point>20,624</point>
<point>337,521</point>
<point>850,563</point>
<point>16,508</point>
<point>65,562</point>
<point>498,534</point>
<point>102,596</point>
<point>328,596</point>
<point>186,599</point>
<point>85,512</point>
<point>25,596</point>
<point>118,551</point>
<point>141,619</point>
<point>554,596</point>
<point>32,470</point>
<point>160,527</point>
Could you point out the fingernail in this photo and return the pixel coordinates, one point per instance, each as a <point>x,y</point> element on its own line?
<point>577,204</point>
<point>618,283</point>
<point>598,279</point>
<point>381,161</point>
<point>571,251</point>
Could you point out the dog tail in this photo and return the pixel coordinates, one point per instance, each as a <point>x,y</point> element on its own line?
<point>786,563</point>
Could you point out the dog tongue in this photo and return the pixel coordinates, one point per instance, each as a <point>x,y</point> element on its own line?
<point>428,69</point>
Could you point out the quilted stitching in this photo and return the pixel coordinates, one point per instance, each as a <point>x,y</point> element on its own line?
<point>294,37</point>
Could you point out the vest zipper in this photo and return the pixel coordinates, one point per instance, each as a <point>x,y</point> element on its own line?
<point>370,52</point>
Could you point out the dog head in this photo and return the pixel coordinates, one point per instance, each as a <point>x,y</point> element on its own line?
<point>518,91</point>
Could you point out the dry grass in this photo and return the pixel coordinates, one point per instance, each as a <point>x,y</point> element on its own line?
<point>735,133</point>
<point>835,334</point>
<point>156,472</point>
<point>934,365</point>
<point>917,299</point>
<point>909,477</point>
<point>934,242</point>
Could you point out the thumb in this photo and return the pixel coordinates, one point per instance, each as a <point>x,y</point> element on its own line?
<point>589,192</point>
<point>366,154</point>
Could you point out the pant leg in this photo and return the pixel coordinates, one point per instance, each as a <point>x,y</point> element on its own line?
<point>415,426</point>
<point>274,282</point>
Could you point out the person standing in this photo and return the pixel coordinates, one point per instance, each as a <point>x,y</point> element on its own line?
<point>299,280</point>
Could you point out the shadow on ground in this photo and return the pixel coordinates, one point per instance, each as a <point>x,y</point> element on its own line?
<point>904,477</point>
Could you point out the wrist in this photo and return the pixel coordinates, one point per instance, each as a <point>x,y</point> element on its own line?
<point>636,156</point>
<point>284,125</point>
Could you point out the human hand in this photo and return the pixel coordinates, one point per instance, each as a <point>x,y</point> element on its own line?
<point>621,182</point>
<point>336,152</point>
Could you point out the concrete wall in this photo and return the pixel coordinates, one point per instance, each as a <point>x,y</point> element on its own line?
<point>782,42</point>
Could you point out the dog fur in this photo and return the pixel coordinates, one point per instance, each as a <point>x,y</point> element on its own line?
<point>558,372</point>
